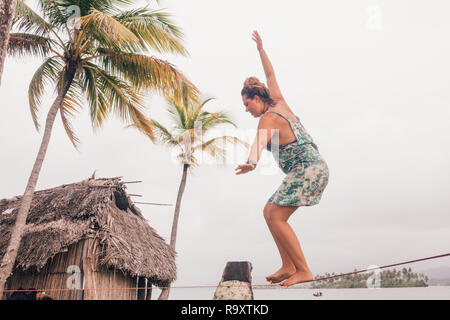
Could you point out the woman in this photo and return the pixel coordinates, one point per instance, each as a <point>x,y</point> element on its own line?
<point>280,131</point>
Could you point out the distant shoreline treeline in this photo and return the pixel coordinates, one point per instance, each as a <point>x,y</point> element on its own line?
<point>387,279</point>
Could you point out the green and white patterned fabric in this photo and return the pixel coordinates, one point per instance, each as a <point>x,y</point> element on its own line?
<point>306,171</point>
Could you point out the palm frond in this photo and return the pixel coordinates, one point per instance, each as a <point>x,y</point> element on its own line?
<point>141,122</point>
<point>147,72</point>
<point>115,95</point>
<point>55,12</point>
<point>188,135</point>
<point>86,5</point>
<point>72,103</point>
<point>154,29</point>
<point>95,97</point>
<point>178,115</point>
<point>210,120</point>
<point>193,113</point>
<point>59,12</point>
<point>22,44</point>
<point>45,75</point>
<point>163,134</point>
<point>212,148</point>
<point>27,20</point>
<point>106,30</point>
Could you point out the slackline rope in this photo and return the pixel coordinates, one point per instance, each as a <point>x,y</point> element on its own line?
<point>253,285</point>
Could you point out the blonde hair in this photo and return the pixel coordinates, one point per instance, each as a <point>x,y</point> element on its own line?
<point>253,87</point>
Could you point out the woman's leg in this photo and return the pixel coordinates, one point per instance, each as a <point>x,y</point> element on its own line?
<point>287,266</point>
<point>287,243</point>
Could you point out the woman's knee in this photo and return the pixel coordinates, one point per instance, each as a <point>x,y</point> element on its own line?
<point>267,212</point>
<point>271,213</point>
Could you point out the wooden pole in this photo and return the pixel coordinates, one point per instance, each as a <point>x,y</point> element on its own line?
<point>141,289</point>
<point>149,291</point>
<point>90,292</point>
<point>153,203</point>
<point>236,282</point>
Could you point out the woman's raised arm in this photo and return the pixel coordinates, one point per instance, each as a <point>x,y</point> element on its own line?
<point>274,89</point>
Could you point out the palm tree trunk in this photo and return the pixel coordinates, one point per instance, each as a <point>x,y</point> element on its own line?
<point>7,10</point>
<point>176,215</point>
<point>10,255</point>
<point>173,237</point>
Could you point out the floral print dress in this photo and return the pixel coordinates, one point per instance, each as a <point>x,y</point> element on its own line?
<point>306,171</point>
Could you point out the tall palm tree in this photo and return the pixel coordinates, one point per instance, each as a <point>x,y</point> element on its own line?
<point>190,125</point>
<point>98,56</point>
<point>7,8</point>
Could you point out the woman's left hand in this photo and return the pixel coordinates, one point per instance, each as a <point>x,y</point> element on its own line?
<point>256,37</point>
<point>244,168</point>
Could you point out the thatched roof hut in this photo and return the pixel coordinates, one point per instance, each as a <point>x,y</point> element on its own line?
<point>92,225</point>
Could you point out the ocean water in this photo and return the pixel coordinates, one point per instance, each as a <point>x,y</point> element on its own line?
<point>419,293</point>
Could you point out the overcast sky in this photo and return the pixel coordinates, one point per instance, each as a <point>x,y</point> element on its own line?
<point>368,79</point>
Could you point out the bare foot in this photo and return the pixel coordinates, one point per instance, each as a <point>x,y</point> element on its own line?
<point>298,277</point>
<point>281,275</point>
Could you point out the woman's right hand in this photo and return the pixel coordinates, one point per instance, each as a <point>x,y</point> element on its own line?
<point>257,39</point>
<point>244,168</point>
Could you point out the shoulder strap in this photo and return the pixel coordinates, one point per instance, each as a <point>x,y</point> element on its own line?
<point>279,114</point>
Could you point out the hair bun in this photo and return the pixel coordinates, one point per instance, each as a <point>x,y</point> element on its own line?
<point>252,87</point>
<point>251,82</point>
